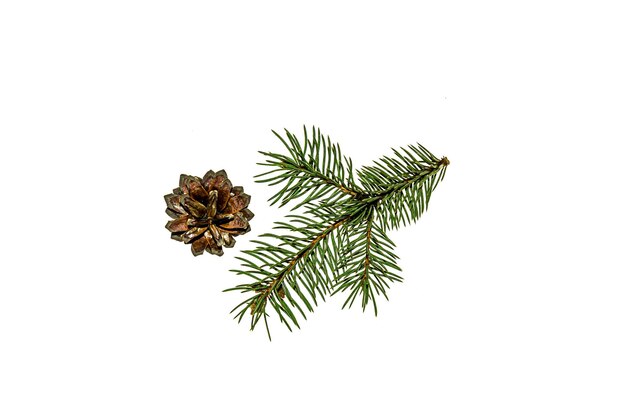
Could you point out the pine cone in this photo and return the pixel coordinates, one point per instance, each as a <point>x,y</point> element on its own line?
<point>208,212</point>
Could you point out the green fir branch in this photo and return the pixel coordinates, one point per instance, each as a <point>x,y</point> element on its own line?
<point>312,170</point>
<point>339,243</point>
<point>290,273</point>
<point>372,265</point>
<point>402,186</point>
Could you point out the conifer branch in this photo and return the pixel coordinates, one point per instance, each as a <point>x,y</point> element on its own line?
<point>403,199</point>
<point>339,243</point>
<point>372,266</point>
<point>308,169</point>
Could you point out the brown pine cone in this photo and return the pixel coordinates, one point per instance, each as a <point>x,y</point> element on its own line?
<point>208,212</point>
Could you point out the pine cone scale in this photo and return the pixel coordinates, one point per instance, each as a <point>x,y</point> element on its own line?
<point>194,208</point>
<point>209,176</point>
<point>212,246</point>
<point>223,195</point>
<point>178,225</point>
<point>247,214</point>
<point>173,203</point>
<point>199,245</point>
<point>229,240</point>
<point>237,203</point>
<point>212,204</point>
<point>216,235</point>
<point>198,193</point>
<point>193,233</point>
<point>239,222</point>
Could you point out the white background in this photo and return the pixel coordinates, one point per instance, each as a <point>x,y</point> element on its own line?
<point>514,299</point>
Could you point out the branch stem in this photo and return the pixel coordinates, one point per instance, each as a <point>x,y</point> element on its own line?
<point>399,186</point>
<point>302,254</point>
<point>327,180</point>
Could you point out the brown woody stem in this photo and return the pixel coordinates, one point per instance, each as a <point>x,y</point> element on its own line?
<point>302,254</point>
